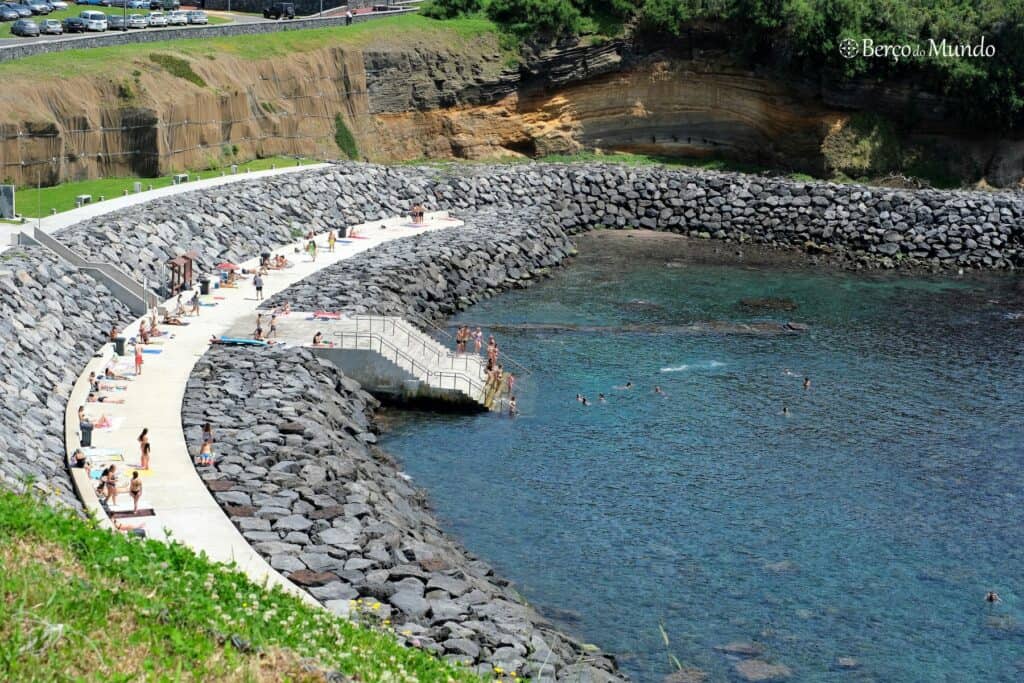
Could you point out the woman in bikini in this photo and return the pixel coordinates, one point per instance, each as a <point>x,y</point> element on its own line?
<point>111,485</point>
<point>145,456</point>
<point>135,491</point>
<point>205,457</point>
<point>143,439</point>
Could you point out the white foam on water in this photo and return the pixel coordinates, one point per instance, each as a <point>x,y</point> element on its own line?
<point>703,365</point>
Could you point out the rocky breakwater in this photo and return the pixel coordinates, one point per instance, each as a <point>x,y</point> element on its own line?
<point>239,221</point>
<point>297,472</point>
<point>848,224</point>
<point>437,273</point>
<point>52,320</point>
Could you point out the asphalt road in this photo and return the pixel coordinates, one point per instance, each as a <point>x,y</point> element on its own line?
<point>236,18</point>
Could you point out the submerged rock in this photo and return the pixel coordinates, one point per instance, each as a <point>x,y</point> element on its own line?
<point>760,671</point>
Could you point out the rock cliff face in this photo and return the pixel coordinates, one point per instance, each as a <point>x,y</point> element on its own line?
<point>425,100</point>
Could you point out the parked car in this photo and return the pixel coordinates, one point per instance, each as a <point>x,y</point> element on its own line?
<point>177,18</point>
<point>39,6</point>
<point>138,4</point>
<point>197,17</point>
<point>23,11</point>
<point>74,25</point>
<point>280,10</point>
<point>51,27</point>
<point>8,13</point>
<point>115,22</point>
<point>94,21</point>
<point>104,3</point>
<point>156,19</point>
<point>25,27</point>
<point>137,21</point>
<point>58,4</point>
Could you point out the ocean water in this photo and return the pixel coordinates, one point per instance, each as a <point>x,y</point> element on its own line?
<point>868,523</point>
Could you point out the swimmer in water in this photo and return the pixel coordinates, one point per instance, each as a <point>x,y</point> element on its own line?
<point>992,597</point>
<point>807,383</point>
<point>785,411</point>
<point>788,373</point>
<point>657,390</point>
<point>600,397</point>
<point>585,401</point>
<point>513,409</point>
<point>579,398</point>
<point>629,385</point>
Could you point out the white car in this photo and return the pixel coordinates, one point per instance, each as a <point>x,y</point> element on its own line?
<point>197,17</point>
<point>177,18</point>
<point>58,4</point>
<point>157,19</point>
<point>137,21</point>
<point>94,21</point>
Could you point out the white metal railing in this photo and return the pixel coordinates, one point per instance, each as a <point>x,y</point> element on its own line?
<point>420,344</point>
<point>438,376</point>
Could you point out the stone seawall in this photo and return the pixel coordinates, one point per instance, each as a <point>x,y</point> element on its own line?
<point>297,473</point>
<point>851,224</point>
<point>52,320</point>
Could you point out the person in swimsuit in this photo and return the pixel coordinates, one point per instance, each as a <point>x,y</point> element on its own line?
<point>600,397</point>
<point>138,359</point>
<point>513,409</point>
<point>331,239</point>
<point>110,374</point>
<point>478,340</point>
<point>144,465</point>
<point>207,433</point>
<point>143,439</point>
<point>78,458</point>
<point>807,383</point>
<point>992,597</point>
<point>585,401</point>
<point>136,529</point>
<point>111,484</point>
<point>135,491</point>
<point>94,398</point>
<point>318,339</point>
<point>258,333</point>
<point>273,326</point>
<point>205,457</point>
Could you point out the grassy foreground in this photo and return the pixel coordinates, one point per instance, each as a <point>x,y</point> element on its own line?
<point>38,203</point>
<point>80,603</point>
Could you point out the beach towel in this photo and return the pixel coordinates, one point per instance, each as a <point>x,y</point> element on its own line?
<point>128,514</point>
<point>152,351</point>
<point>237,341</point>
<point>326,315</point>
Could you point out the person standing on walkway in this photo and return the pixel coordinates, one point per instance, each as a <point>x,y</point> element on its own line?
<point>144,465</point>
<point>135,491</point>
<point>348,17</point>
<point>195,303</point>
<point>138,359</point>
<point>257,282</point>
<point>311,248</point>
<point>331,239</point>
<point>273,326</point>
<point>143,440</point>
<point>478,340</point>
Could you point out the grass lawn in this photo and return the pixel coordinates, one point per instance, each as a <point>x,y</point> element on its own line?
<point>80,603</point>
<point>38,203</point>
<point>75,10</point>
<point>403,29</point>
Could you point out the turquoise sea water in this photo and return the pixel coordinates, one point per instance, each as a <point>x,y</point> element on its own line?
<point>869,523</point>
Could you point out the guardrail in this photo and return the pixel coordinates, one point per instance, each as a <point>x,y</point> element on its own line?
<point>417,339</point>
<point>459,381</point>
<point>443,332</point>
<point>36,47</point>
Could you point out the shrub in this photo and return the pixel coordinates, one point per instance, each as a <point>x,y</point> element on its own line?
<point>176,66</point>
<point>343,138</point>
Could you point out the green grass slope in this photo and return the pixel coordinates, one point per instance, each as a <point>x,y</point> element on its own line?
<point>81,603</point>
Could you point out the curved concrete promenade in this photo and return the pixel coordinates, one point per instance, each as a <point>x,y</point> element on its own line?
<point>184,508</point>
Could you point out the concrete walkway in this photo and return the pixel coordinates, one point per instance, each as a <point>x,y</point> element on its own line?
<point>172,488</point>
<point>53,224</point>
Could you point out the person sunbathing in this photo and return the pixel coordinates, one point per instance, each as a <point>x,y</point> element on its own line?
<point>318,339</point>
<point>111,375</point>
<point>96,398</point>
<point>173,320</point>
<point>143,335</point>
<point>131,528</point>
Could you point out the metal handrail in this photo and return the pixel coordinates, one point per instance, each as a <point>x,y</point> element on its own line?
<point>427,343</point>
<point>416,367</point>
<point>437,328</point>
